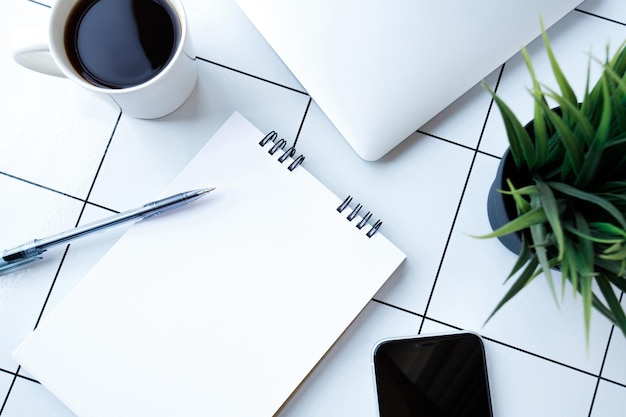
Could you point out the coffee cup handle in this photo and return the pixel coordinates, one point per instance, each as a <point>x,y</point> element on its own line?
<point>31,50</point>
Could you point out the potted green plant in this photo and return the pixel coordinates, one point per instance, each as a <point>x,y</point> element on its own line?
<point>562,189</point>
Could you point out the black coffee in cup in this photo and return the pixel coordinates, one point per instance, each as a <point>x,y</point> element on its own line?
<point>121,43</point>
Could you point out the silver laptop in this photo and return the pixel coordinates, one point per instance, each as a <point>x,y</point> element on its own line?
<point>380,69</point>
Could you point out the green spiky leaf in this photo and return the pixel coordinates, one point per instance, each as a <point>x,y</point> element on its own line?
<point>571,203</point>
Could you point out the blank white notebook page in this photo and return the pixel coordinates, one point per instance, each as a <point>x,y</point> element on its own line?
<point>220,308</point>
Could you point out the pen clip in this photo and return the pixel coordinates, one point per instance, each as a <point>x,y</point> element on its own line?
<point>7,266</point>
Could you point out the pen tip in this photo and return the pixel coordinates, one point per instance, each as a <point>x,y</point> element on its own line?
<point>195,194</point>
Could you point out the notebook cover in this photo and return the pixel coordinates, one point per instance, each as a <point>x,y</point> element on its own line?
<point>219,308</point>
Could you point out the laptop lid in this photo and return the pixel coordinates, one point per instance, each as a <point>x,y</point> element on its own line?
<point>379,70</point>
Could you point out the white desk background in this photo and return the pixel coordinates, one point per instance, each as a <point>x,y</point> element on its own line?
<point>67,158</point>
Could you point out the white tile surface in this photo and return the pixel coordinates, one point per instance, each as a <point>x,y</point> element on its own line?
<point>430,193</point>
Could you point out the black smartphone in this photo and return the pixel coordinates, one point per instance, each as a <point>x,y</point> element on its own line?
<point>441,375</point>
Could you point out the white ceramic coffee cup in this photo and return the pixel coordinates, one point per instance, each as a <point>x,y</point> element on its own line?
<point>42,50</point>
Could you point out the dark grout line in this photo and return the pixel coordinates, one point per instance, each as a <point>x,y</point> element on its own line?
<point>460,145</point>
<point>446,140</point>
<point>404,310</point>
<point>6,397</point>
<point>458,208</point>
<point>600,17</point>
<point>95,177</point>
<point>489,154</point>
<point>16,373</point>
<point>100,206</point>
<point>52,285</point>
<point>6,174</point>
<point>15,376</point>
<point>247,74</point>
<point>40,4</point>
<point>44,187</point>
<point>538,356</point>
<point>306,111</point>
<point>595,389</point>
<point>611,381</point>
<point>606,353</point>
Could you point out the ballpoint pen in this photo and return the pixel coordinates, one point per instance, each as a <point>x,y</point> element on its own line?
<point>32,250</point>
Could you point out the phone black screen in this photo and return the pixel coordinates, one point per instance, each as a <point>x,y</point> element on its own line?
<point>433,376</point>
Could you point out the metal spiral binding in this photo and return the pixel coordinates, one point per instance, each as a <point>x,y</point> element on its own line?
<point>280,145</point>
<point>365,218</point>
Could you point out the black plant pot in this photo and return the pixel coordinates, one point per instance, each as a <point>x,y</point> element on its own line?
<point>501,207</point>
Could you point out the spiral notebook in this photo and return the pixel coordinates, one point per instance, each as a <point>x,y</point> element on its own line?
<point>224,307</point>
